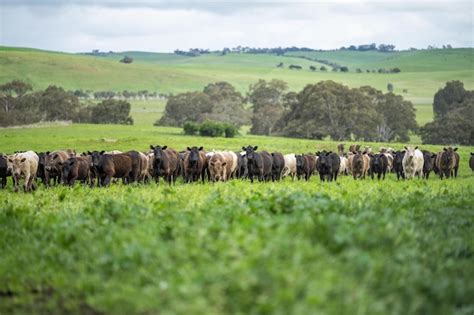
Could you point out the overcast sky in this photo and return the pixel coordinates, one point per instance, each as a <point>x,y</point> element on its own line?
<point>76,25</point>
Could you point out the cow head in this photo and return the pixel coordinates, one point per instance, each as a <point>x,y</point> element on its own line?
<point>300,161</point>
<point>250,152</point>
<point>158,152</point>
<point>96,156</point>
<point>15,165</point>
<point>410,153</point>
<point>67,166</point>
<point>447,157</point>
<point>398,158</point>
<point>193,155</point>
<point>217,165</point>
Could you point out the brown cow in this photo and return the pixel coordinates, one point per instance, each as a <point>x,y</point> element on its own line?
<point>360,164</point>
<point>76,168</point>
<point>108,166</point>
<point>165,163</point>
<point>53,162</point>
<point>195,164</point>
<point>447,162</point>
<point>218,167</point>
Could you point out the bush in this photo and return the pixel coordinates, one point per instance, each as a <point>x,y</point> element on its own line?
<point>112,112</point>
<point>190,128</point>
<point>230,131</point>
<point>211,128</point>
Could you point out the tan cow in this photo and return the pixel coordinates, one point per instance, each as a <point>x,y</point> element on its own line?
<point>53,162</point>
<point>24,165</point>
<point>290,166</point>
<point>217,167</point>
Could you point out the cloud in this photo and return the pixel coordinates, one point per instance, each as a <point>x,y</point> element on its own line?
<point>162,26</point>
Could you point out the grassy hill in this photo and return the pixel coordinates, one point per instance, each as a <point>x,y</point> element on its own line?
<point>423,72</point>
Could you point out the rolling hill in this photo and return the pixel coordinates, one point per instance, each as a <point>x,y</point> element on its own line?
<point>423,72</point>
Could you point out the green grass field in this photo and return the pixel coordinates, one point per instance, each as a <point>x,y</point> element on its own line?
<point>364,247</point>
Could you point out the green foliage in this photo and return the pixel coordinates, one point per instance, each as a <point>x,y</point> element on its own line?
<point>190,128</point>
<point>210,128</point>
<point>230,131</point>
<point>266,99</point>
<point>236,248</point>
<point>454,116</point>
<point>112,112</point>
<point>126,59</point>
<point>218,101</point>
<point>57,104</point>
<point>331,109</point>
<point>390,87</point>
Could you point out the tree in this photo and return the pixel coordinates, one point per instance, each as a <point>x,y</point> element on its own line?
<point>112,112</point>
<point>126,59</point>
<point>227,104</point>
<point>344,69</point>
<point>57,104</point>
<point>396,115</point>
<point>390,87</point>
<point>323,68</point>
<point>329,108</point>
<point>11,90</point>
<point>454,116</point>
<point>190,106</point>
<point>449,98</point>
<point>266,99</point>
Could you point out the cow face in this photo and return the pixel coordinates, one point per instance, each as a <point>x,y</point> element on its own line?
<point>95,158</point>
<point>299,161</point>
<point>218,166</point>
<point>410,153</point>
<point>158,152</point>
<point>250,152</point>
<point>16,165</point>
<point>193,154</point>
<point>68,166</point>
<point>447,157</point>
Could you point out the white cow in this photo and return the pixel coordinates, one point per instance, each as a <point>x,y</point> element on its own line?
<point>413,162</point>
<point>24,165</point>
<point>343,165</point>
<point>290,166</point>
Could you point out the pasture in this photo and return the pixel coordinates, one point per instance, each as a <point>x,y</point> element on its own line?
<point>351,247</point>
<point>364,247</point>
<point>423,72</point>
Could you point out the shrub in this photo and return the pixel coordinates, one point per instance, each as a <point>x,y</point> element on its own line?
<point>211,128</point>
<point>190,128</point>
<point>230,131</point>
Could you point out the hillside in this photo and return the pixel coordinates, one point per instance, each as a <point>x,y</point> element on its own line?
<point>423,72</point>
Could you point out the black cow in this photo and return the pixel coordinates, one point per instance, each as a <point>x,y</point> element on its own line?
<point>258,163</point>
<point>41,173</point>
<point>278,164</point>
<point>76,168</point>
<point>428,163</point>
<point>328,164</point>
<point>378,165</point>
<point>195,164</point>
<point>398,164</point>
<point>3,170</point>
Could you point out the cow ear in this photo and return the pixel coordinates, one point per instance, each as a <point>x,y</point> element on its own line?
<point>455,149</point>
<point>55,156</point>
<point>47,152</point>
<point>273,154</point>
<point>200,148</point>
<point>164,148</point>
<point>327,154</point>
<point>89,152</point>
<point>444,149</point>
<point>152,147</point>
<point>189,149</point>
<point>244,148</point>
<point>224,164</point>
<point>406,148</point>
<point>10,160</point>
<point>434,155</point>
<point>255,148</point>
<point>23,160</point>
<point>416,147</point>
<point>102,152</point>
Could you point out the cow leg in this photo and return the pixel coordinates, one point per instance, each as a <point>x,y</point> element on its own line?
<point>4,182</point>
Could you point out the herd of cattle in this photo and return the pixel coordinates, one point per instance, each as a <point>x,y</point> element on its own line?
<point>195,164</point>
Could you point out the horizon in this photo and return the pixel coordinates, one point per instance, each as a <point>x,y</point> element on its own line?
<point>155,26</point>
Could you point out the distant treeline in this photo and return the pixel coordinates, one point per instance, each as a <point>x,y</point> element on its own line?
<point>127,95</point>
<point>20,105</point>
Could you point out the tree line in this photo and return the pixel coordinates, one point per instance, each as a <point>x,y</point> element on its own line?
<point>21,105</point>
<point>325,109</point>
